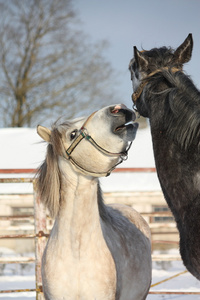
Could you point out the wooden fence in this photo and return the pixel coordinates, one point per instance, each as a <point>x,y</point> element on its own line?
<point>41,234</point>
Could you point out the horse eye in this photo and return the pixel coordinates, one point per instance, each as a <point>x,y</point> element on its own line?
<point>73,134</point>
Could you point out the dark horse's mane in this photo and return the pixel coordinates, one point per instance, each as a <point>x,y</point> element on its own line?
<point>181,106</point>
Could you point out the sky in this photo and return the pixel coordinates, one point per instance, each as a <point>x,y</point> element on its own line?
<point>145,24</point>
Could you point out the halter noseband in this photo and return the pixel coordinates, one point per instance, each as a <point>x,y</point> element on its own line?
<point>144,82</point>
<point>83,134</point>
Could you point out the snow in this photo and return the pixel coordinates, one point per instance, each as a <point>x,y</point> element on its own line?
<point>18,282</point>
<point>22,148</point>
<point>15,276</point>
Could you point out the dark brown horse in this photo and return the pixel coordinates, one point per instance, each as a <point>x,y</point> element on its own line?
<point>167,96</point>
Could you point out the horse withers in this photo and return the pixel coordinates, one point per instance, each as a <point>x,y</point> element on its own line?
<point>168,97</point>
<point>94,251</point>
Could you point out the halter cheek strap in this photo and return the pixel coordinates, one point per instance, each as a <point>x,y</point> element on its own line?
<point>83,134</point>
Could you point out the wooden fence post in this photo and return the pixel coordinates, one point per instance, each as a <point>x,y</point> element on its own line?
<point>40,240</point>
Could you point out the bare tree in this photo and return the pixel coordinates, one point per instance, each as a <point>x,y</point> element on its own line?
<point>47,65</point>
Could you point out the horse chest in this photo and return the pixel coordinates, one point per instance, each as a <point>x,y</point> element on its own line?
<point>88,275</point>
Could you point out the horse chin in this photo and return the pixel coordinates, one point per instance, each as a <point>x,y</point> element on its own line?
<point>131,131</point>
<point>127,131</point>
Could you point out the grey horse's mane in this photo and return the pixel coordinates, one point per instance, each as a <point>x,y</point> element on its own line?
<point>49,179</point>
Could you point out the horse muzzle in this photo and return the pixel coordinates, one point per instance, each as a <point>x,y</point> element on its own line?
<point>124,121</point>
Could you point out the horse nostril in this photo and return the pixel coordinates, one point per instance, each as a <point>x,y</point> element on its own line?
<point>117,108</point>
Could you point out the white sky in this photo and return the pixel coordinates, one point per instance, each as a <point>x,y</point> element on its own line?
<point>147,24</point>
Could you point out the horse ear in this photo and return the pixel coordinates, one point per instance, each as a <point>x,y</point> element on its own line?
<point>184,52</point>
<point>140,60</point>
<point>44,133</point>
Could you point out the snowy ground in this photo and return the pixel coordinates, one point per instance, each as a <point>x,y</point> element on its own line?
<point>183,283</point>
<point>16,277</point>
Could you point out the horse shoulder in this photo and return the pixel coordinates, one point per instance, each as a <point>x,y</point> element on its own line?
<point>134,217</point>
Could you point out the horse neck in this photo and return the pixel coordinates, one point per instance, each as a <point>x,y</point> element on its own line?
<point>78,218</point>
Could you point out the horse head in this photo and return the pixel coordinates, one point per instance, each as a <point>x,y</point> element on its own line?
<point>90,146</point>
<point>96,142</point>
<point>146,64</point>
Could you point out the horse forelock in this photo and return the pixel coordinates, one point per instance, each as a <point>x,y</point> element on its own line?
<point>181,109</point>
<point>49,179</point>
<point>159,53</point>
<point>158,57</point>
